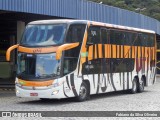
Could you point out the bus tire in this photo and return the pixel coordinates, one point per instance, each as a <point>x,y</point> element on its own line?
<point>134,86</point>
<point>83,93</point>
<point>141,85</point>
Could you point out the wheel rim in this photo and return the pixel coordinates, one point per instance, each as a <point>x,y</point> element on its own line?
<point>83,92</point>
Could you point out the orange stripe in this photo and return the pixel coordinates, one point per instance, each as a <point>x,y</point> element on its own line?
<point>114,51</point>
<point>139,52</point>
<point>90,53</point>
<point>109,51</point>
<point>106,49</point>
<point>142,52</point>
<point>35,83</point>
<point>100,50</point>
<point>121,51</point>
<point>129,52</point>
<point>117,51</point>
<point>153,53</point>
<point>125,52</point>
<point>37,50</point>
<point>133,51</point>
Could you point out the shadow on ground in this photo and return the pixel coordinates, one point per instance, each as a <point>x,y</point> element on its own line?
<point>73,100</point>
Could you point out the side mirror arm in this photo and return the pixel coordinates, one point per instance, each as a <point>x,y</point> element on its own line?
<point>65,47</point>
<point>8,53</point>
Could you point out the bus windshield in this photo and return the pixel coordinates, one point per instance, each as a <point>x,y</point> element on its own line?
<point>38,65</point>
<point>42,35</point>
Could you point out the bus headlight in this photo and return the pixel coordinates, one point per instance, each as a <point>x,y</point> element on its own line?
<point>57,84</point>
<point>55,92</point>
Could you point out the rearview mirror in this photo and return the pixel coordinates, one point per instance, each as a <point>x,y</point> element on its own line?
<point>65,47</point>
<point>8,53</point>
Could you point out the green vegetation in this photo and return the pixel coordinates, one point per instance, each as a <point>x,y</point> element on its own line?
<point>150,8</point>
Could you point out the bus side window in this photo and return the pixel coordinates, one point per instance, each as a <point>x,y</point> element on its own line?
<point>131,38</point>
<point>93,35</point>
<point>70,60</point>
<point>117,37</point>
<point>75,33</point>
<point>104,36</point>
<point>143,39</point>
<point>151,40</point>
<point>147,40</point>
<point>112,37</point>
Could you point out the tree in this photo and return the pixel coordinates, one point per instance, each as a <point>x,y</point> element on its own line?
<point>152,7</point>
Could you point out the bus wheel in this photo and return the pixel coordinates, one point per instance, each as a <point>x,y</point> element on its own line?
<point>141,85</point>
<point>83,93</point>
<point>134,86</point>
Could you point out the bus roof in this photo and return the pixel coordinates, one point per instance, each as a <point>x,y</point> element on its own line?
<point>59,21</point>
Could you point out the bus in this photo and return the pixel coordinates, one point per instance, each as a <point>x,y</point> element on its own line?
<point>77,58</point>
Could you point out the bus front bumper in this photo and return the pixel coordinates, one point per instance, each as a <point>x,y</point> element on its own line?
<point>40,93</point>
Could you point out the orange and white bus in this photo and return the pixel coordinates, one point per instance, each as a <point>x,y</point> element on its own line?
<point>78,58</point>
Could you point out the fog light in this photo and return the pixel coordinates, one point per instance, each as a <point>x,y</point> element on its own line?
<point>55,92</point>
<point>17,91</point>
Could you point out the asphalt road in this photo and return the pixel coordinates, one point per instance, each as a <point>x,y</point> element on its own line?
<point>149,100</point>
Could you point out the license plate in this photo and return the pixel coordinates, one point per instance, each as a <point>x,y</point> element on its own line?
<point>33,94</point>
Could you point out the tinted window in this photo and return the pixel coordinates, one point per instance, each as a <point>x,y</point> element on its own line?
<point>144,39</point>
<point>116,37</point>
<point>139,40</point>
<point>75,33</point>
<point>93,35</point>
<point>70,60</point>
<point>151,40</point>
<point>122,37</point>
<point>104,36</point>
